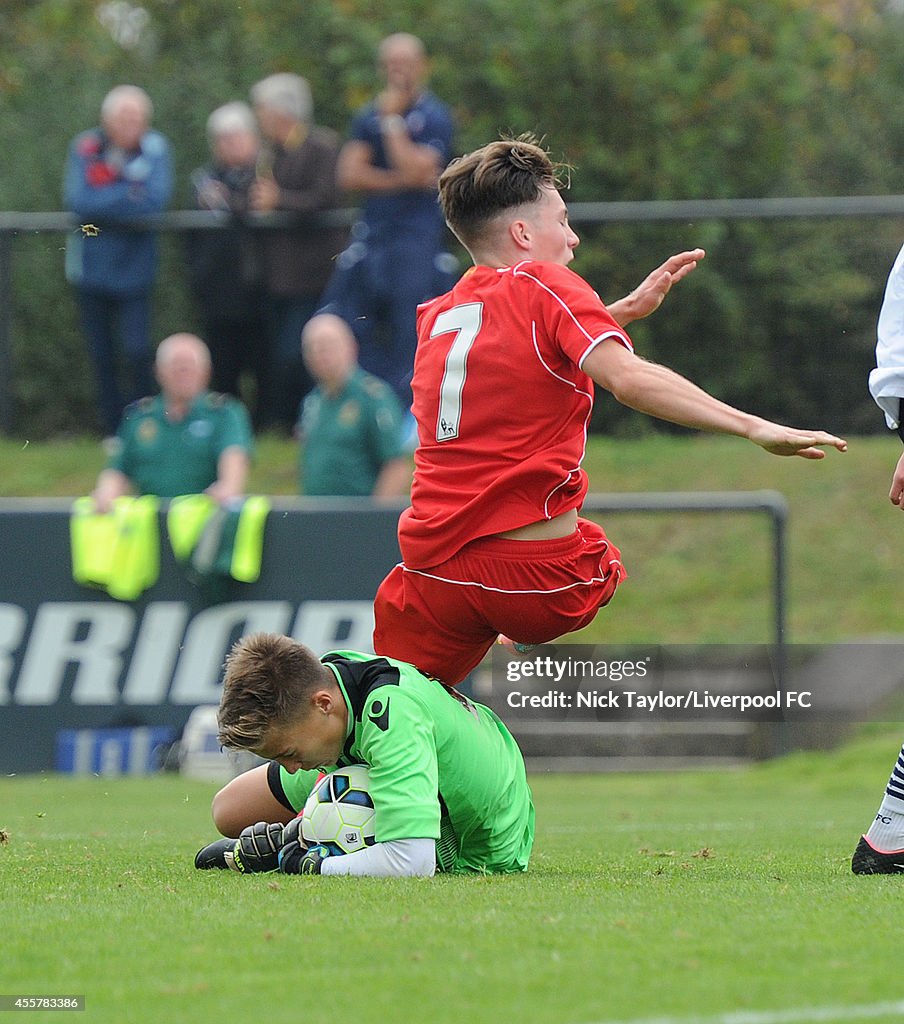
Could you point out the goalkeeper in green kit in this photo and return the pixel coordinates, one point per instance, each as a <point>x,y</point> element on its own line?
<point>446,776</point>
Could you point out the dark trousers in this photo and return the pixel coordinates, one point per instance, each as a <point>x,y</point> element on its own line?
<point>377,287</point>
<point>238,346</point>
<point>117,330</point>
<point>286,381</point>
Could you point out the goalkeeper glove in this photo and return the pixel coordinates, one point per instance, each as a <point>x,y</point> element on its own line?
<point>256,850</point>
<point>292,833</point>
<point>295,859</point>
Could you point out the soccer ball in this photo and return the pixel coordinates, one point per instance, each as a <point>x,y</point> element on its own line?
<point>339,812</point>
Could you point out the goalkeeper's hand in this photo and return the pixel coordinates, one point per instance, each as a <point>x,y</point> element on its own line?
<point>291,833</point>
<point>297,859</point>
<point>257,848</point>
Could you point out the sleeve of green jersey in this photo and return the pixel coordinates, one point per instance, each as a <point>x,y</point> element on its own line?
<point>398,744</point>
<point>119,457</point>
<point>386,426</point>
<point>234,428</point>
<point>297,785</point>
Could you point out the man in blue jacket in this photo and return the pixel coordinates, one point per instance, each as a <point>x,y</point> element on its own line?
<point>115,173</point>
<point>398,145</point>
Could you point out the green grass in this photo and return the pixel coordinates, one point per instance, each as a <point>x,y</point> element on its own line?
<point>680,896</point>
<point>696,577</point>
<point>650,895</point>
<point>692,577</point>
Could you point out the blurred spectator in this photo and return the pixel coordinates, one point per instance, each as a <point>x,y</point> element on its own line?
<point>183,441</point>
<point>351,423</point>
<point>296,174</point>
<point>118,171</point>
<point>398,146</point>
<point>225,265</point>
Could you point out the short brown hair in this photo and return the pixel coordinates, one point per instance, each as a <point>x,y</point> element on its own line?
<point>479,186</point>
<point>268,676</point>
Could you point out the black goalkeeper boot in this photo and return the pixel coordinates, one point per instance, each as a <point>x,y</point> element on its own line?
<point>214,855</point>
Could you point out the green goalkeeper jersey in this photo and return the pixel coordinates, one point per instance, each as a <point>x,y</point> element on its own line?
<point>441,767</point>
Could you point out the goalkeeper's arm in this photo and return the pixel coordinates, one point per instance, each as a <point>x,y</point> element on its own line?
<point>397,858</point>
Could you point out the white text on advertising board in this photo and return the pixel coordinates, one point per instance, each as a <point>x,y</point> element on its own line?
<point>98,653</point>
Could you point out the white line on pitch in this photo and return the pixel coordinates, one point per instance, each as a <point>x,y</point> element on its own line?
<point>803,1015</point>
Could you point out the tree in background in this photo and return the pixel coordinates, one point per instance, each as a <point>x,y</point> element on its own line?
<point>648,99</point>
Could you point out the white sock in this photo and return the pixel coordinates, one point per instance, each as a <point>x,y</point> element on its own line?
<point>887,830</point>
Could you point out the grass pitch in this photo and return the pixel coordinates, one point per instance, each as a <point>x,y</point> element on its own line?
<point>707,898</point>
<point>722,897</point>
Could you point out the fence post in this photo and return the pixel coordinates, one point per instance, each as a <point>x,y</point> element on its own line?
<point>771,502</point>
<point>6,314</point>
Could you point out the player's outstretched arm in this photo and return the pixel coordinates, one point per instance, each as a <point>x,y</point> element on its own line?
<point>648,295</point>
<point>780,440</point>
<point>659,391</point>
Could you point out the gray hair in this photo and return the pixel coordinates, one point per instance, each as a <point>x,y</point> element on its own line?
<point>285,93</point>
<point>339,326</point>
<point>405,40</point>
<point>125,92</point>
<point>231,117</point>
<point>182,340</point>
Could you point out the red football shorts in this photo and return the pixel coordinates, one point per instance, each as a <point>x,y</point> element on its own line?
<point>444,619</point>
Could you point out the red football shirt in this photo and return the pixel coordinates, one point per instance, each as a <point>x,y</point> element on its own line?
<point>502,405</point>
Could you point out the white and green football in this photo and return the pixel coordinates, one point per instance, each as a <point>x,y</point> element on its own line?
<point>339,812</point>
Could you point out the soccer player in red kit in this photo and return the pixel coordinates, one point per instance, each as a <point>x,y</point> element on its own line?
<point>503,391</point>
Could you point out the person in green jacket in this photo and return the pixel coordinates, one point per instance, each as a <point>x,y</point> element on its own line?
<point>350,426</point>
<point>186,440</point>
